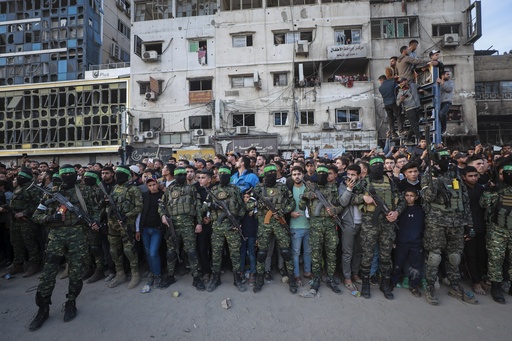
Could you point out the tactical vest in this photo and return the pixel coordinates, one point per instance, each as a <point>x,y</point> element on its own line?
<point>19,199</point>
<point>181,200</point>
<point>448,199</point>
<point>227,195</point>
<point>122,199</point>
<point>503,209</point>
<point>273,194</point>
<point>384,190</point>
<point>330,193</point>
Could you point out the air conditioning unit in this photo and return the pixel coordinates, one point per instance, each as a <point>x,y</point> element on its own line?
<point>115,51</point>
<point>150,56</point>
<point>203,141</point>
<point>242,130</point>
<point>327,126</point>
<point>355,126</point>
<point>302,48</point>
<point>138,138</point>
<point>450,40</point>
<point>151,96</point>
<point>199,132</point>
<point>149,135</point>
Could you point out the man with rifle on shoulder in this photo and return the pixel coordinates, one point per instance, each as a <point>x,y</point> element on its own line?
<point>66,212</point>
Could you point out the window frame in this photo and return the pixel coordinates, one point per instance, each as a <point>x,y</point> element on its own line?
<point>291,37</point>
<point>338,31</point>
<point>243,120</point>
<point>205,122</point>
<point>438,28</point>
<point>412,28</point>
<point>305,114</point>
<point>281,114</point>
<point>247,81</point>
<point>279,74</point>
<point>248,40</point>
<point>349,111</point>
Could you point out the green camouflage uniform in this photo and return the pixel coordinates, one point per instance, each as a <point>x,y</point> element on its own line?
<point>322,235</point>
<point>375,228</point>
<point>24,233</point>
<point>183,205</point>
<point>499,230</point>
<point>221,226</point>
<point>66,240</point>
<point>283,201</point>
<point>94,236</point>
<point>128,199</point>
<point>446,213</point>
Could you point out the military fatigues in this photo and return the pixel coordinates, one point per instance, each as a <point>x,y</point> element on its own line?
<point>375,228</point>
<point>24,233</point>
<point>65,240</point>
<point>446,213</point>
<point>283,201</point>
<point>322,235</point>
<point>499,230</point>
<point>183,205</point>
<point>128,199</point>
<point>94,236</point>
<point>222,227</point>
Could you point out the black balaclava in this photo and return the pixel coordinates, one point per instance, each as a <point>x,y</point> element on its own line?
<point>123,174</point>
<point>180,175</point>
<point>24,177</point>
<point>92,178</point>
<point>270,172</point>
<point>224,176</point>
<point>68,175</point>
<point>321,175</point>
<point>376,168</point>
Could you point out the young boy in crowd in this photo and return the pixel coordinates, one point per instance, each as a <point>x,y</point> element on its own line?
<point>250,231</point>
<point>409,236</point>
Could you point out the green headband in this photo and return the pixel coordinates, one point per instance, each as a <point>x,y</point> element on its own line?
<point>224,170</point>
<point>56,176</point>
<point>180,171</point>
<point>123,170</point>
<point>93,175</point>
<point>25,175</point>
<point>443,153</point>
<point>322,169</point>
<point>507,168</point>
<point>375,160</point>
<point>270,168</point>
<point>66,170</point>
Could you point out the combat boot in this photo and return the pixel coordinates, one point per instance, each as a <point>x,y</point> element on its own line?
<point>42,314</point>
<point>98,274</point>
<point>365,288</point>
<point>215,282</point>
<point>32,270</point>
<point>13,269</point>
<point>87,274</point>
<point>260,279</point>
<point>69,310</point>
<point>198,284</point>
<point>120,278</point>
<point>497,293</point>
<point>430,295</point>
<point>386,288</point>
<point>315,284</point>
<point>293,285</point>
<point>332,284</point>
<point>167,281</point>
<point>135,280</point>
<point>237,281</point>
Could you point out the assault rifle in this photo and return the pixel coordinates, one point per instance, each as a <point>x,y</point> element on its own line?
<point>56,196</point>
<point>381,205</point>
<point>323,203</point>
<point>225,212</point>
<point>271,211</point>
<point>13,215</point>
<point>114,209</point>
<point>170,229</point>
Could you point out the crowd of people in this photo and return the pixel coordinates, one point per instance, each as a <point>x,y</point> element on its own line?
<point>405,217</point>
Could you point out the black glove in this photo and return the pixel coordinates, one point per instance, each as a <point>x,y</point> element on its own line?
<point>55,218</point>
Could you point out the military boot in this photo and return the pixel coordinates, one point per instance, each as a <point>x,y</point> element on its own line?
<point>430,295</point>
<point>32,270</point>
<point>167,281</point>
<point>120,278</point>
<point>237,281</point>
<point>42,314</point>
<point>497,293</point>
<point>98,274</point>
<point>69,310</point>
<point>87,274</point>
<point>365,288</point>
<point>198,284</point>
<point>260,280</point>
<point>215,282</point>
<point>293,285</point>
<point>386,288</point>
<point>13,269</point>
<point>315,283</point>
<point>135,280</point>
<point>332,284</point>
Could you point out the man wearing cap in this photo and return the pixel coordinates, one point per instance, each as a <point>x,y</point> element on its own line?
<point>323,234</point>
<point>282,199</point>
<point>94,274</point>
<point>200,164</point>
<point>182,203</point>
<point>447,87</point>
<point>445,202</point>
<point>222,227</point>
<point>408,96</point>
<point>378,226</point>
<point>23,233</point>
<point>128,199</point>
<point>499,230</point>
<point>66,241</point>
